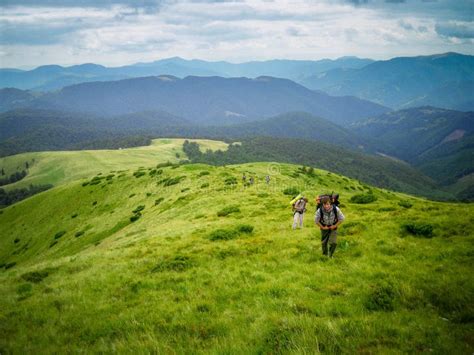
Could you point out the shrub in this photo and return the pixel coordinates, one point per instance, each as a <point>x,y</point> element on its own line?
<point>231,180</point>
<point>16,241</point>
<point>406,204</point>
<point>418,229</point>
<point>185,189</point>
<point>291,191</point>
<point>85,183</point>
<point>223,234</point>
<point>171,181</point>
<point>203,186</point>
<point>158,201</point>
<point>139,173</point>
<point>94,203</point>
<point>10,265</point>
<point>245,228</point>
<point>35,276</point>
<point>109,177</point>
<point>135,217</point>
<point>78,234</point>
<point>138,209</point>
<point>59,234</point>
<point>363,198</point>
<point>74,215</point>
<point>228,210</point>
<point>131,195</point>
<point>381,297</point>
<point>203,173</point>
<point>53,243</point>
<point>178,263</point>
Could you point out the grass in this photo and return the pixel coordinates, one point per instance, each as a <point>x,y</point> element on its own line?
<point>65,166</point>
<point>180,279</point>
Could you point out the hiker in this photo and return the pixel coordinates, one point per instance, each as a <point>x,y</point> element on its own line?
<point>328,218</point>
<point>267,179</point>
<point>299,208</point>
<point>244,178</point>
<point>251,180</point>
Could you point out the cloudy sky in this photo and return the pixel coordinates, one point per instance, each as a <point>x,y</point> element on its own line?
<point>114,33</point>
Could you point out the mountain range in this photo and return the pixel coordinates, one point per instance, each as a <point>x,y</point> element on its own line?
<point>443,80</point>
<point>203,100</point>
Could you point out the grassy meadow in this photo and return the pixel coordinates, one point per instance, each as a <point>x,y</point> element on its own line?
<point>186,259</point>
<point>65,166</point>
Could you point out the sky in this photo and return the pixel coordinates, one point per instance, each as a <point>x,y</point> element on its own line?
<point>115,33</point>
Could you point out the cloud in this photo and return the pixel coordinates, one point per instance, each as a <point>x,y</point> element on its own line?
<point>461,30</point>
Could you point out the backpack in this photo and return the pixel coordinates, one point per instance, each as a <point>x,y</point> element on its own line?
<point>332,196</point>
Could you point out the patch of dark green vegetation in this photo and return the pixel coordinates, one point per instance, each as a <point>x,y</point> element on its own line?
<point>170,181</point>
<point>363,198</point>
<point>138,209</point>
<point>59,234</point>
<point>135,217</point>
<point>418,229</point>
<point>53,243</point>
<point>230,233</point>
<point>177,263</point>
<point>10,265</point>
<point>381,297</point>
<point>131,195</point>
<point>16,240</point>
<point>228,210</point>
<point>387,209</point>
<point>185,189</point>
<point>155,172</point>
<point>159,200</point>
<point>35,276</point>
<point>139,173</point>
<point>405,204</point>
<point>203,186</point>
<point>204,173</point>
<point>78,234</point>
<point>74,215</point>
<point>231,180</point>
<point>291,191</point>
<point>10,197</point>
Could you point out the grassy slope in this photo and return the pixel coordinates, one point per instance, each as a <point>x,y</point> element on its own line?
<point>161,284</point>
<point>65,166</point>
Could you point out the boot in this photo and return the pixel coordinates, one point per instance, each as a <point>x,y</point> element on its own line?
<point>325,248</point>
<point>332,248</point>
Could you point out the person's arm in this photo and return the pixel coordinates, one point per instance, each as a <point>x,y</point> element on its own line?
<point>340,218</point>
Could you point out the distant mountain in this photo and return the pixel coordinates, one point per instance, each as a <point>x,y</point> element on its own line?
<point>206,100</point>
<point>52,77</point>
<point>440,142</point>
<point>443,80</point>
<point>11,98</point>
<point>300,125</point>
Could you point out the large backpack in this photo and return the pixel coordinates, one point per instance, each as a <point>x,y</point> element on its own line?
<point>332,196</point>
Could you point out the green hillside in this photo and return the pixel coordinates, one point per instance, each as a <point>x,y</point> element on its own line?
<point>64,166</point>
<point>185,259</point>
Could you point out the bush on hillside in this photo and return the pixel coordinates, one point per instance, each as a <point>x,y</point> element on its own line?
<point>35,276</point>
<point>406,204</point>
<point>158,201</point>
<point>139,173</point>
<point>178,263</point>
<point>231,180</point>
<point>223,234</point>
<point>59,234</point>
<point>291,191</point>
<point>228,210</point>
<point>245,228</point>
<point>138,209</point>
<point>203,186</point>
<point>363,198</point>
<point>381,297</point>
<point>78,234</point>
<point>418,229</point>
<point>203,173</point>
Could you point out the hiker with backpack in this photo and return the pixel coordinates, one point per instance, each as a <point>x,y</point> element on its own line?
<point>328,217</point>
<point>299,208</point>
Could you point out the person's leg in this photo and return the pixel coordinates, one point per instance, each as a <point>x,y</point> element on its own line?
<point>295,219</point>
<point>324,241</point>
<point>332,242</point>
<point>301,219</point>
